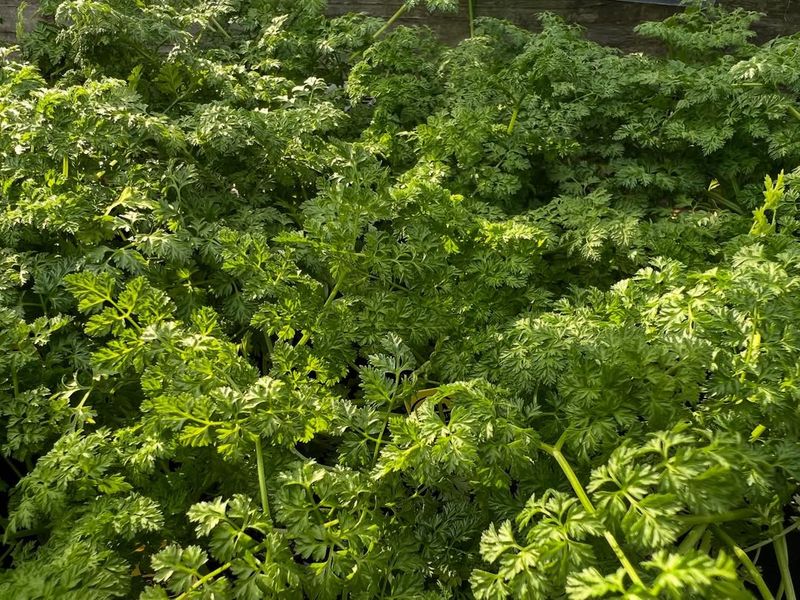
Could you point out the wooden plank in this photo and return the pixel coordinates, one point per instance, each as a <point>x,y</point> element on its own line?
<point>606,21</point>
<point>8,14</point>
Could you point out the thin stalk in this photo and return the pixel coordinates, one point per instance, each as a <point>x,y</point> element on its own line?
<point>204,579</point>
<point>220,28</point>
<point>782,554</point>
<point>179,99</point>
<point>216,572</point>
<point>13,467</point>
<point>771,540</point>
<point>692,538</point>
<point>267,357</point>
<point>307,335</point>
<point>751,569</point>
<point>471,10</point>
<point>79,409</point>
<point>399,13</point>
<point>380,436</point>
<point>723,517</point>
<point>794,112</point>
<point>268,341</point>
<point>125,315</point>
<point>705,543</point>
<point>262,479</point>
<point>386,418</point>
<point>587,504</point>
<point>333,293</point>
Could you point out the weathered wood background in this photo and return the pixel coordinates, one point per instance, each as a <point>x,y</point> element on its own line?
<point>607,21</point>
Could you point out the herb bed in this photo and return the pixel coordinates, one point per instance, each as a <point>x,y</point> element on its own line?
<point>295,307</point>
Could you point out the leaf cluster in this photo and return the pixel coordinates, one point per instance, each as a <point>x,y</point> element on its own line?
<point>298,307</point>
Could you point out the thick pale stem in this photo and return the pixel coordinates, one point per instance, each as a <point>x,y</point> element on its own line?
<point>723,517</point>
<point>692,538</point>
<point>587,504</point>
<point>782,553</point>
<point>746,563</point>
<point>262,479</point>
<point>400,12</point>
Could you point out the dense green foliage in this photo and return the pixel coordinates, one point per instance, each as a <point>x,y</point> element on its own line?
<point>295,307</point>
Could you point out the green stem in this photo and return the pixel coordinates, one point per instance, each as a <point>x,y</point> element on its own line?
<point>5,554</point>
<point>178,99</point>
<point>589,507</point>
<point>746,563</point>
<point>386,418</point>
<point>380,436</point>
<point>513,120</point>
<point>266,358</point>
<point>125,315</point>
<point>471,10</point>
<point>794,112</point>
<point>15,535</point>
<point>771,540</point>
<point>705,543</point>
<point>782,554</point>
<point>692,538</point>
<point>220,28</point>
<point>723,517</point>
<point>307,335</point>
<point>13,468</point>
<point>400,12</point>
<point>333,293</point>
<point>571,476</point>
<point>76,412</point>
<point>262,479</point>
<point>204,579</point>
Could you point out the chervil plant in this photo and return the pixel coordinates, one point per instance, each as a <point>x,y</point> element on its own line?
<point>298,307</point>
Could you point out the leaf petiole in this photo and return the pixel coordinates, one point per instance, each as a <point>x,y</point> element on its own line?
<point>262,479</point>
<point>399,13</point>
<point>751,569</point>
<point>589,507</point>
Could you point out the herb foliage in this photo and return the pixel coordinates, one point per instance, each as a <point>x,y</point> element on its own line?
<point>306,307</point>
